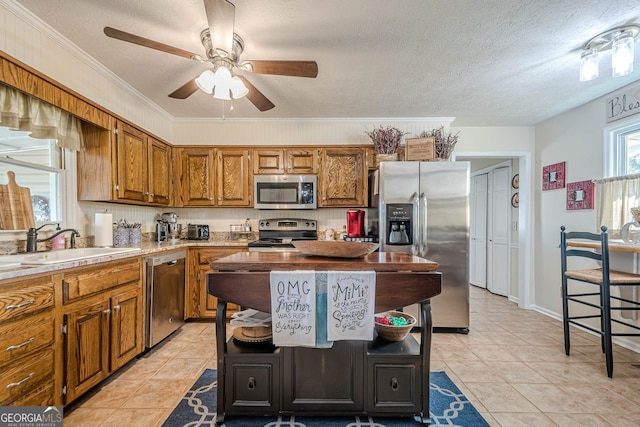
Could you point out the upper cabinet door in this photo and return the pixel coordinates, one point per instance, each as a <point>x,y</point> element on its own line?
<point>343,177</point>
<point>160,182</point>
<point>195,177</point>
<point>303,161</point>
<point>131,152</point>
<point>268,162</point>
<point>232,177</point>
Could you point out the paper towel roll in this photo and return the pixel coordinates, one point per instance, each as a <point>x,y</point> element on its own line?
<point>104,230</point>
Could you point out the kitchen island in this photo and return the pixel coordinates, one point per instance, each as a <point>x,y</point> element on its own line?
<point>350,378</point>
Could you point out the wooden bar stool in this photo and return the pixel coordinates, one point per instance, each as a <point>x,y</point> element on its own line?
<point>603,278</point>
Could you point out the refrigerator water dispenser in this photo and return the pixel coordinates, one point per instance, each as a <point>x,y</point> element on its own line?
<point>399,224</point>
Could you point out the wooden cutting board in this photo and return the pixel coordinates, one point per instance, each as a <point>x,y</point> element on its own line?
<point>16,211</point>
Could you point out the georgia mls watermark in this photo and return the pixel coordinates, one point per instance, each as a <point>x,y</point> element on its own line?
<point>30,416</point>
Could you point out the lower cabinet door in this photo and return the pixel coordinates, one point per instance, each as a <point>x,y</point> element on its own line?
<point>319,379</point>
<point>394,387</point>
<point>254,388</point>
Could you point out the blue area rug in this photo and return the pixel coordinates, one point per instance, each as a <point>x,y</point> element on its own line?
<point>448,407</point>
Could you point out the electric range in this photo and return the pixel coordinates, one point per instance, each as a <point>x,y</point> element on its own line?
<point>276,234</point>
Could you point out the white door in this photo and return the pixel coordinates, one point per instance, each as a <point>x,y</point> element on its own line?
<point>498,230</point>
<point>478,231</point>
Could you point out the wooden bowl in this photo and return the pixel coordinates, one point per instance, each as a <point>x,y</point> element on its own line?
<point>392,332</point>
<point>335,248</point>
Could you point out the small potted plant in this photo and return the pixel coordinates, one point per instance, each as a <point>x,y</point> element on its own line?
<point>386,142</point>
<point>444,142</point>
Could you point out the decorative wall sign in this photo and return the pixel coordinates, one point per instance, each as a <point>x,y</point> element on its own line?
<point>623,104</point>
<point>419,148</point>
<point>515,200</point>
<point>580,195</point>
<point>553,176</point>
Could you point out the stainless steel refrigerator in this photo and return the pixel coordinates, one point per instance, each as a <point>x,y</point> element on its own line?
<point>423,209</point>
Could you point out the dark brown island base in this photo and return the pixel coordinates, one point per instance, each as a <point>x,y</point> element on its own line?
<point>351,378</point>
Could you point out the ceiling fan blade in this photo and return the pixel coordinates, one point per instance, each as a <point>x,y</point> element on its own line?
<point>221,16</point>
<point>256,97</point>
<point>132,38</point>
<point>284,68</point>
<point>185,91</point>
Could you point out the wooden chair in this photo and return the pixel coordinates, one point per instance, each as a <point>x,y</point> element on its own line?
<point>603,278</point>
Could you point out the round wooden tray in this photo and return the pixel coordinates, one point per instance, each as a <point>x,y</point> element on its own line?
<point>335,248</point>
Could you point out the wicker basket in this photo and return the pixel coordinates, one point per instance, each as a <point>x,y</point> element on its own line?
<point>394,333</point>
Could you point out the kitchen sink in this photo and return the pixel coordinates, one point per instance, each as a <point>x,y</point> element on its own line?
<point>65,255</point>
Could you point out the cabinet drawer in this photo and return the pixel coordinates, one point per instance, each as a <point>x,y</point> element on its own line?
<point>394,386</point>
<point>97,279</point>
<point>25,297</point>
<point>41,396</point>
<point>24,337</point>
<point>255,387</point>
<point>23,377</point>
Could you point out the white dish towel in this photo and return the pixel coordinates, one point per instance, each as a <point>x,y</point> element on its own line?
<point>351,297</point>
<point>293,308</point>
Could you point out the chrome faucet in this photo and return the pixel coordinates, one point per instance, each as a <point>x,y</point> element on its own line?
<point>32,237</point>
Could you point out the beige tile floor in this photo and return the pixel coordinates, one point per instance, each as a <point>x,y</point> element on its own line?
<point>511,366</point>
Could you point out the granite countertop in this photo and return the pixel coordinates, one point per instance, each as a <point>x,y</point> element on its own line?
<point>146,249</point>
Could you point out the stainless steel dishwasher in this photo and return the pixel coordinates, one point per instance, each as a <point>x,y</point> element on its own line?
<point>165,295</point>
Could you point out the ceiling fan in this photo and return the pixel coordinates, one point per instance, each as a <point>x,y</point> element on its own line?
<point>222,49</point>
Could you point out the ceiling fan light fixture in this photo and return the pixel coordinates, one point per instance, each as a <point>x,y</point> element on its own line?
<point>589,64</point>
<point>238,89</point>
<point>622,54</point>
<point>206,81</point>
<point>620,40</point>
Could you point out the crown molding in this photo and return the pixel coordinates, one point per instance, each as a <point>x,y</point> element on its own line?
<point>45,29</point>
<point>374,120</point>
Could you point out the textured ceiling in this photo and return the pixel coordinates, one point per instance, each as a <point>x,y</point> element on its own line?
<point>485,62</point>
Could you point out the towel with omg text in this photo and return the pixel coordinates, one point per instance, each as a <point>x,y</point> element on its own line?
<point>293,308</point>
<point>351,297</point>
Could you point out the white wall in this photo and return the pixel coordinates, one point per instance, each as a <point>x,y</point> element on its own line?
<point>577,138</point>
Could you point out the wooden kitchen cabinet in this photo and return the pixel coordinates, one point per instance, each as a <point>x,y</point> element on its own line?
<point>268,161</point>
<point>27,340</point>
<point>160,172</point>
<point>279,161</point>
<point>195,176</point>
<point>102,318</point>
<point>198,303</point>
<point>302,161</point>
<point>343,178</point>
<point>232,177</point>
<point>127,166</point>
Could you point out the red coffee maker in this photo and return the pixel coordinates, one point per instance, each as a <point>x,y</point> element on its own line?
<point>355,223</point>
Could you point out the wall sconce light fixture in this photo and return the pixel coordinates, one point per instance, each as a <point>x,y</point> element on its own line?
<point>621,42</point>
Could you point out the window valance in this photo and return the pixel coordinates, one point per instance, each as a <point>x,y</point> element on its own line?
<point>19,111</point>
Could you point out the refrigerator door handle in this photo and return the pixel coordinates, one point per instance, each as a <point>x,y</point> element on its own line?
<point>415,247</point>
<point>423,225</point>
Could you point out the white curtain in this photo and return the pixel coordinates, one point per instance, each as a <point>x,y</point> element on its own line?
<point>19,111</point>
<point>616,196</point>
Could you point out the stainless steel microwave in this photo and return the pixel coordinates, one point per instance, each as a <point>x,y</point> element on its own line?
<point>285,191</point>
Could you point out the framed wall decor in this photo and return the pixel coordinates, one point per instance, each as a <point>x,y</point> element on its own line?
<point>515,200</point>
<point>580,195</point>
<point>553,176</point>
<point>515,181</point>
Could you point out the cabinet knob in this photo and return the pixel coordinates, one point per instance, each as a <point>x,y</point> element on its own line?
<point>116,307</point>
<point>394,383</point>
<point>251,384</point>
<point>107,311</point>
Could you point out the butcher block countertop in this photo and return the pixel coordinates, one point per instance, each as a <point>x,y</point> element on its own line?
<point>401,279</point>
<point>267,261</point>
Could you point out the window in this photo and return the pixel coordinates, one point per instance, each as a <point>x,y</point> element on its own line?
<point>624,150</point>
<point>38,165</point>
